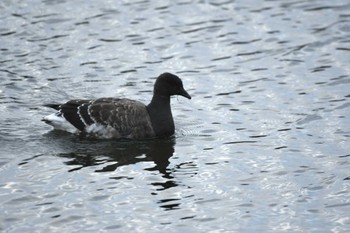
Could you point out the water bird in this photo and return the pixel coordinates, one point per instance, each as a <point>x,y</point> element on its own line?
<point>121,117</point>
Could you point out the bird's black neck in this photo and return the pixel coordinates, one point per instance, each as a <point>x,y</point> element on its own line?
<point>161,117</point>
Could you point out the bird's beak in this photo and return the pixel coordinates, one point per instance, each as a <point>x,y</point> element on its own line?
<point>185,94</point>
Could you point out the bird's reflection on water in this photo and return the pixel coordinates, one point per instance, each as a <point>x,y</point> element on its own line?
<point>109,155</point>
<point>89,152</point>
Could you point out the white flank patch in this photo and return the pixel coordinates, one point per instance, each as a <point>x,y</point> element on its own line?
<point>102,131</point>
<point>58,122</point>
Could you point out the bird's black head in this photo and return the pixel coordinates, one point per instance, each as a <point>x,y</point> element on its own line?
<point>168,84</point>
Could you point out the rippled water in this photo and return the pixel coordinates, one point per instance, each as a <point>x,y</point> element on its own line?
<point>263,146</point>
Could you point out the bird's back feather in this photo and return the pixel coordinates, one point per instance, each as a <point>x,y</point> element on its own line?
<point>122,118</point>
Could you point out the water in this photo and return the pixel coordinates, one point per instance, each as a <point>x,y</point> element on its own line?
<point>263,146</point>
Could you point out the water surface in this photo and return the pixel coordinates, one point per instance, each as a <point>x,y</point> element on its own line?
<point>263,146</point>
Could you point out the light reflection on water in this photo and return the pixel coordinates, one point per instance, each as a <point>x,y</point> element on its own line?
<point>263,146</point>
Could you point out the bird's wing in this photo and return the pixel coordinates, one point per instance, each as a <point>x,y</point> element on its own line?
<point>127,117</point>
<point>71,112</point>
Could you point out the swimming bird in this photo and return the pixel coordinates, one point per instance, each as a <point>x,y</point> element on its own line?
<point>121,117</point>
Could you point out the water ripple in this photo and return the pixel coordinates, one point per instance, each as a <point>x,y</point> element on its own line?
<point>263,141</point>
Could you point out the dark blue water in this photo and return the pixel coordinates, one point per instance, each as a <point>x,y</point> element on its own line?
<point>263,146</point>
